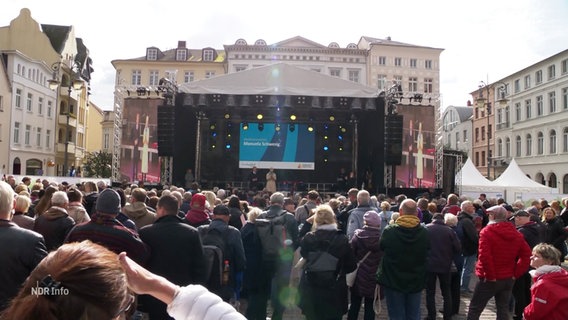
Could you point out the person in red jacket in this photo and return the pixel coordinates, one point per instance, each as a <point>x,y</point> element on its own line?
<point>503,256</point>
<point>550,289</point>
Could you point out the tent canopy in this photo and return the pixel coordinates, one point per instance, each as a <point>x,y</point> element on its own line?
<point>279,79</point>
<point>470,176</point>
<point>513,176</point>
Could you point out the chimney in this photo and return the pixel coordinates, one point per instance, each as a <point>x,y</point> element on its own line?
<point>389,38</point>
<point>181,44</point>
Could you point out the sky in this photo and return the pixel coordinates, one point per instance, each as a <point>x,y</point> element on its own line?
<point>482,40</point>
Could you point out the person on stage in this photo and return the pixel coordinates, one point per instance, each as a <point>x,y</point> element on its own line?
<point>271,181</point>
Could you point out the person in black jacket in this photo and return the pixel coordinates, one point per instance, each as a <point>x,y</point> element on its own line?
<point>176,253</point>
<point>469,238</point>
<point>21,249</point>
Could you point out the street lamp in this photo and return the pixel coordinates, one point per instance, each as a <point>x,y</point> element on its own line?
<point>483,102</point>
<point>74,83</point>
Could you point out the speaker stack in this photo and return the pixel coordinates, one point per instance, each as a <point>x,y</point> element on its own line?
<point>166,130</point>
<point>393,139</point>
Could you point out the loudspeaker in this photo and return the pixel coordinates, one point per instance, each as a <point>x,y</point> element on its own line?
<point>166,130</point>
<point>393,139</point>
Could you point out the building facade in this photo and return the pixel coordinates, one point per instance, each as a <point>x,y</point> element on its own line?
<point>457,128</point>
<point>5,117</point>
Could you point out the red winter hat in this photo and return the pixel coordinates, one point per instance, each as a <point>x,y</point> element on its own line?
<point>198,201</point>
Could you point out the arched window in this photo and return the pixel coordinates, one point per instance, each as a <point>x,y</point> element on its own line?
<point>333,45</point>
<point>540,178</point>
<point>241,42</point>
<point>508,147</point>
<point>34,167</point>
<point>351,46</point>
<point>552,180</point>
<point>565,184</point>
<point>540,143</point>
<point>17,166</point>
<point>529,144</point>
<point>552,141</point>
<point>260,42</point>
<point>565,140</point>
<point>518,146</point>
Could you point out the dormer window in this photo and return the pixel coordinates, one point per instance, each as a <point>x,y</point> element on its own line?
<point>260,42</point>
<point>351,46</point>
<point>208,54</point>
<point>241,42</point>
<point>151,54</point>
<point>181,54</point>
<point>333,45</point>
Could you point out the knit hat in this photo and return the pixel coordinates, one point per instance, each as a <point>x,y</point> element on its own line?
<point>372,219</point>
<point>198,201</point>
<point>221,210</point>
<point>108,201</point>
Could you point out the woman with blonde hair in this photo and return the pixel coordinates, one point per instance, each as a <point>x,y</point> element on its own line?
<point>45,201</point>
<point>555,233</point>
<point>20,218</point>
<point>323,290</point>
<point>385,214</point>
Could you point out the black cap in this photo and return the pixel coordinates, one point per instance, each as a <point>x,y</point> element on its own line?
<point>520,213</point>
<point>221,210</point>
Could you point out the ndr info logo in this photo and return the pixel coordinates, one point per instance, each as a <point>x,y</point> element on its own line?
<point>49,291</point>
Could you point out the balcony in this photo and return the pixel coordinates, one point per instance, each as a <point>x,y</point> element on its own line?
<point>61,148</point>
<point>62,120</point>
<point>503,125</point>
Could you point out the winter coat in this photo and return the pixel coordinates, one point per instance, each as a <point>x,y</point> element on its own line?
<point>196,302</point>
<point>467,234</point>
<point>235,219</point>
<point>503,252</point>
<point>366,240</point>
<point>196,217</point>
<point>253,254</point>
<point>555,234</point>
<point>139,213</point>
<point>78,212</point>
<point>356,219</point>
<point>89,201</point>
<point>532,233</point>
<point>549,294</point>
<point>323,303</point>
<point>54,225</point>
<point>444,245</point>
<point>405,246</point>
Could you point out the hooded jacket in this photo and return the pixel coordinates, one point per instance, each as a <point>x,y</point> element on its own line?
<point>366,240</point>
<point>532,233</point>
<point>405,246</point>
<point>138,213</point>
<point>54,225</point>
<point>503,252</point>
<point>549,294</point>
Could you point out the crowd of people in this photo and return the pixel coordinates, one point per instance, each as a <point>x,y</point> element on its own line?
<point>93,251</point>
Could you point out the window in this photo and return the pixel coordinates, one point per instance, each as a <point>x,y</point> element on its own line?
<point>106,140</point>
<point>48,138</point>
<point>528,109</point>
<point>136,77</point>
<point>413,63</point>
<point>538,77</point>
<point>38,137</point>
<point>208,55</point>
<point>552,101</point>
<point>499,147</point>
<point>209,74</point>
<point>551,72</point>
<point>564,98</point>
<point>382,61</point>
<point>154,77</point>
<point>457,137</point>
<point>527,81</point>
<point>529,145</point>
<point>476,134</point>
<point>428,64</point>
<point>40,106</point>
<point>508,147</point>
<point>449,139</point>
<point>483,133</point>
<point>507,118</point>
<point>565,140</point>
<point>239,68</point>
<point>517,86</point>
<point>477,158</point>
<point>483,158</point>
<point>518,146</point>
<point>151,54</point>
<point>181,54</point>
<point>49,108</point>
<point>412,84</point>
<point>428,85</point>
<point>464,135</point>
<point>334,72</point>
<point>397,80</point>
<point>552,140</point>
<point>19,98</point>
<point>540,143</point>
<point>16,132</point>
<point>1,103</point>
<point>29,103</point>
<point>499,117</point>
<point>354,76</point>
<point>517,112</point>
<point>539,106</point>
<point>188,76</point>
<point>564,66</point>
<point>27,134</point>
<point>398,62</point>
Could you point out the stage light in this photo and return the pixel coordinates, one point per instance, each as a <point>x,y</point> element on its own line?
<point>259,116</point>
<point>325,137</point>
<point>310,128</point>
<point>212,126</point>
<point>331,118</point>
<point>293,117</point>
<point>325,126</point>
<point>260,126</point>
<point>228,146</point>
<point>277,128</point>
<point>325,148</point>
<point>340,137</point>
<point>340,148</point>
<point>214,134</point>
<point>292,127</point>
<point>343,130</point>
<point>227,115</point>
<point>245,126</point>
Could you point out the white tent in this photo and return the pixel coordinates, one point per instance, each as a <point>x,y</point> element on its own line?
<point>520,187</point>
<point>472,182</point>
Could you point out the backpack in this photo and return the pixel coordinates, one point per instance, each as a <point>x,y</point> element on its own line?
<point>272,234</point>
<point>321,268</point>
<point>215,253</point>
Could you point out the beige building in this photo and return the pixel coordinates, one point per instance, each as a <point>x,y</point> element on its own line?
<point>94,129</point>
<point>48,113</point>
<point>5,118</point>
<point>107,130</point>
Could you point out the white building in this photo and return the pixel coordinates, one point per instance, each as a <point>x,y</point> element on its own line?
<point>457,128</point>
